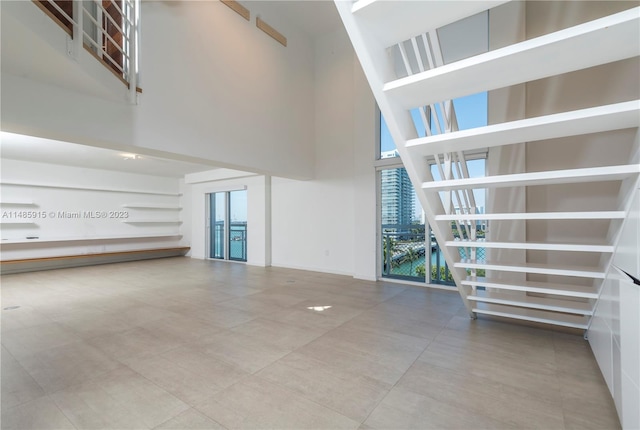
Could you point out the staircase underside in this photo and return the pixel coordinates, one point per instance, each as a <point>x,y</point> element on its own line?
<point>554,280</point>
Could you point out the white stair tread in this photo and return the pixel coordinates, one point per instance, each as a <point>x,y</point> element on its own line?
<point>589,174</point>
<point>612,38</point>
<point>534,315</point>
<point>533,215</point>
<point>587,292</point>
<point>579,247</point>
<point>394,21</point>
<point>545,269</point>
<point>593,120</point>
<point>522,300</point>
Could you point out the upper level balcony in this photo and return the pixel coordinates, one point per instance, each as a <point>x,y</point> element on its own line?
<point>101,35</point>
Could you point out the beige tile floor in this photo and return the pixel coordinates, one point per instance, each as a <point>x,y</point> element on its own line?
<point>189,344</point>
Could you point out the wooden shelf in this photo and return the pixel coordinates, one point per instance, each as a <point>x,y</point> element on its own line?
<point>102,189</point>
<point>17,203</point>
<point>88,238</point>
<point>151,221</point>
<point>151,206</point>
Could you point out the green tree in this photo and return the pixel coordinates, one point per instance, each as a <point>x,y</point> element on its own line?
<point>410,256</point>
<point>445,275</point>
<point>389,247</point>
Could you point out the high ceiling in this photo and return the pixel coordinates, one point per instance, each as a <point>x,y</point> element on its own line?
<point>313,17</point>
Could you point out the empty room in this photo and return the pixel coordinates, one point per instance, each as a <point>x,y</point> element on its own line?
<point>216,214</point>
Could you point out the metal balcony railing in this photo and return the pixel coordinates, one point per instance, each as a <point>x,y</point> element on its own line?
<point>405,256</point>
<point>238,241</point>
<point>108,29</point>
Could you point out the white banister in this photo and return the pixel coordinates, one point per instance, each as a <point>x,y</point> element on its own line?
<point>77,29</point>
<point>94,28</point>
<point>132,63</point>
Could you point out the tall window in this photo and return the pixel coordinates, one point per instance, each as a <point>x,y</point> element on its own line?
<point>408,249</point>
<point>227,225</point>
<point>402,227</point>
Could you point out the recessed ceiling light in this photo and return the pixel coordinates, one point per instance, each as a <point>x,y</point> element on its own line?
<point>130,157</point>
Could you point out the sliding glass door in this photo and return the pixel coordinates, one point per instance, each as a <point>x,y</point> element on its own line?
<point>218,223</point>
<point>238,225</point>
<point>228,225</point>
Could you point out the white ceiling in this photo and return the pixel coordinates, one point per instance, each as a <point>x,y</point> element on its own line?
<point>35,149</point>
<point>315,17</point>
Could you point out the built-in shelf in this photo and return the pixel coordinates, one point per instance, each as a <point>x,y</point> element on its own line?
<point>151,221</point>
<point>79,187</point>
<point>18,203</point>
<point>89,238</point>
<point>151,206</point>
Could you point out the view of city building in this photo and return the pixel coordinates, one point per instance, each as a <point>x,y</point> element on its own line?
<point>398,196</point>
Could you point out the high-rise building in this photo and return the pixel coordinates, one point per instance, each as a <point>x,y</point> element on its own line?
<point>398,196</point>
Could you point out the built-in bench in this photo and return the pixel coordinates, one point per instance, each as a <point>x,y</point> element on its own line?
<point>48,263</point>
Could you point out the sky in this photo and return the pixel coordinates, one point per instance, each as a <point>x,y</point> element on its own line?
<point>471,112</point>
<point>238,205</point>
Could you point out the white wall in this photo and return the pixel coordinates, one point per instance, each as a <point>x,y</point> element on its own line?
<point>614,334</point>
<point>506,27</point>
<point>328,223</point>
<point>54,189</point>
<point>605,84</point>
<point>214,87</point>
<point>196,188</point>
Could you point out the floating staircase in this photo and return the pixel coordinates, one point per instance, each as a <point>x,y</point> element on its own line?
<point>552,281</point>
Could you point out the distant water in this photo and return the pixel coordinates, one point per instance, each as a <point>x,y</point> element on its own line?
<point>235,249</point>
<point>403,269</point>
